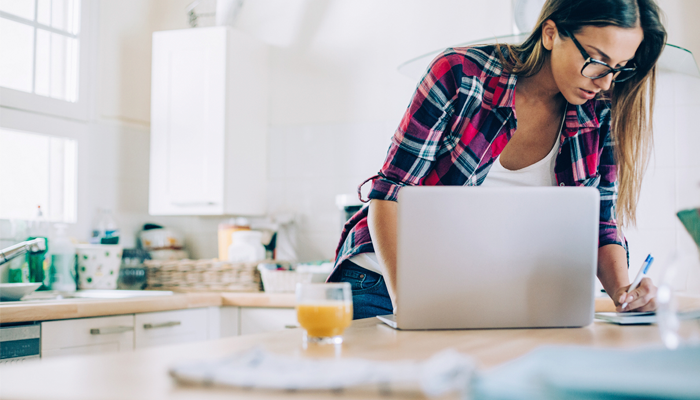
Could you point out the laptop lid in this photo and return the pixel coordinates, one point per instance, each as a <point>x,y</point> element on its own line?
<point>476,257</point>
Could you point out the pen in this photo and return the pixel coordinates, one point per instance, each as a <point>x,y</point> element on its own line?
<point>641,274</point>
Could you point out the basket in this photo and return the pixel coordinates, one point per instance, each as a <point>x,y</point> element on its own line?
<point>202,275</point>
<point>281,281</point>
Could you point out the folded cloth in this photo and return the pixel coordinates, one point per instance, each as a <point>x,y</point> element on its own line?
<point>577,372</point>
<point>445,372</point>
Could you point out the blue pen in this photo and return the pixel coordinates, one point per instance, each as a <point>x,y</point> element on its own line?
<point>640,275</point>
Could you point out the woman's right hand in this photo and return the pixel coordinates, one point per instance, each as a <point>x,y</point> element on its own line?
<point>382,229</point>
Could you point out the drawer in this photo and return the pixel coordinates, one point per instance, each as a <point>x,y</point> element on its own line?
<point>170,327</point>
<point>258,320</point>
<point>87,336</point>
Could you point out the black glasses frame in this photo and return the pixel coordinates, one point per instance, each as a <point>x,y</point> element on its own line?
<point>591,60</point>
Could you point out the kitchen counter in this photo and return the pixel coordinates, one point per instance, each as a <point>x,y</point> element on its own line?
<point>144,374</point>
<point>21,311</point>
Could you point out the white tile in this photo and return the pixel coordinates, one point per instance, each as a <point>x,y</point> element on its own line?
<point>665,95</point>
<point>321,195</point>
<point>657,204</point>
<point>688,263</point>
<point>134,153</point>
<point>133,196</point>
<point>100,193</point>
<point>664,150</point>
<point>324,222</point>
<point>318,205</point>
<point>317,246</point>
<point>294,195</point>
<point>312,152</point>
<point>276,194</point>
<point>277,154</point>
<point>659,243</point>
<point>101,149</point>
<point>687,136</point>
<point>362,149</point>
<point>292,152</point>
<point>687,188</point>
<point>350,146</point>
<point>686,89</point>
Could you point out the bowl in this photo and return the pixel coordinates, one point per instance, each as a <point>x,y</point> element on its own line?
<point>15,291</point>
<point>155,239</point>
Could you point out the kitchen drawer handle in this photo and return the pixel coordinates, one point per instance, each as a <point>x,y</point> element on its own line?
<point>193,203</point>
<point>163,325</point>
<point>111,330</point>
<point>291,326</point>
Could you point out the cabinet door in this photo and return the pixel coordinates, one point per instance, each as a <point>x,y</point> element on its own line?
<point>258,320</point>
<point>170,327</point>
<point>188,98</point>
<point>223,322</point>
<point>87,336</point>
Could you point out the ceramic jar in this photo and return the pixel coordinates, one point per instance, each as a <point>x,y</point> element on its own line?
<point>98,265</point>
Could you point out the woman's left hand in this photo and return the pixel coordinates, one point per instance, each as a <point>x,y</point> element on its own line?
<point>643,298</point>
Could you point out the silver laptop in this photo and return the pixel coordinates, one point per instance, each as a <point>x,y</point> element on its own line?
<point>475,257</point>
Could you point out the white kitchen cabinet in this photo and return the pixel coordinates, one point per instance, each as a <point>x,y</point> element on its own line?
<point>208,123</point>
<point>224,322</point>
<point>170,327</point>
<point>259,320</point>
<point>87,336</point>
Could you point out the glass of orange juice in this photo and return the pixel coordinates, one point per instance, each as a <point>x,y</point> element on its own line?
<point>324,310</point>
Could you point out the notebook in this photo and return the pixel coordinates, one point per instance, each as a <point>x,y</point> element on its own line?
<point>627,318</point>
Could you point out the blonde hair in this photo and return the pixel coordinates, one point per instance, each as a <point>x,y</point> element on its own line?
<point>632,100</point>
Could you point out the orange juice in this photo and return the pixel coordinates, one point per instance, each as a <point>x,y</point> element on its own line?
<point>324,318</point>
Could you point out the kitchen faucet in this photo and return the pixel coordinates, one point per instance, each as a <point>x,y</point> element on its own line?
<point>32,246</point>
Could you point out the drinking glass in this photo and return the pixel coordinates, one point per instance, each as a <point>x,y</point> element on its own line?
<point>678,326</point>
<point>324,310</point>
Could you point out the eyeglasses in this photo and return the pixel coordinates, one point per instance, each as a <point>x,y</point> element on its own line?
<point>596,69</point>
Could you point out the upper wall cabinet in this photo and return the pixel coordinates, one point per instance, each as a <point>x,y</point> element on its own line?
<point>208,123</point>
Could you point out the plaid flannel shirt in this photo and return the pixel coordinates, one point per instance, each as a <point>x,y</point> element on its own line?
<point>459,120</point>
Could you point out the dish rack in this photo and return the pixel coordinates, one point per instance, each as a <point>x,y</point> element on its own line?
<point>202,275</point>
<point>282,281</point>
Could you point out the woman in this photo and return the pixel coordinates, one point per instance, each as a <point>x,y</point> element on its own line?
<point>568,107</point>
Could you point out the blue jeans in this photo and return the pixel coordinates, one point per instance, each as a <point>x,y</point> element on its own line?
<point>369,294</point>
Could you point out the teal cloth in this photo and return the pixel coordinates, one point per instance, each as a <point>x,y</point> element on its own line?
<point>691,221</point>
<point>576,372</point>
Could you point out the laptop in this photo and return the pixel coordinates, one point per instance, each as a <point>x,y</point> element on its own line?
<point>477,257</point>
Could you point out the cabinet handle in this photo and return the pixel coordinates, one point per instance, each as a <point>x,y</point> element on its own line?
<point>163,325</point>
<point>291,326</point>
<point>111,330</point>
<point>193,203</point>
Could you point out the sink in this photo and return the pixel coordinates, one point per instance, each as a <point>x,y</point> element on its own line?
<point>95,294</point>
<point>117,294</point>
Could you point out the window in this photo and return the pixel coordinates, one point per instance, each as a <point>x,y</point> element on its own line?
<point>42,54</point>
<point>37,170</point>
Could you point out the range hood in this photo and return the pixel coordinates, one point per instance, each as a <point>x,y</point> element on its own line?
<point>673,59</point>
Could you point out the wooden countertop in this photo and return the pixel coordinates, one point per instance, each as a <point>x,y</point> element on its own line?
<point>143,374</point>
<point>47,310</point>
<point>21,311</point>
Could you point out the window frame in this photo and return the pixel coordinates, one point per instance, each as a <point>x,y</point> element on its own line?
<point>79,110</point>
<point>47,125</point>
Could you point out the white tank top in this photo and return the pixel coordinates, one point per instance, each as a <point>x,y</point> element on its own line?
<point>540,173</point>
